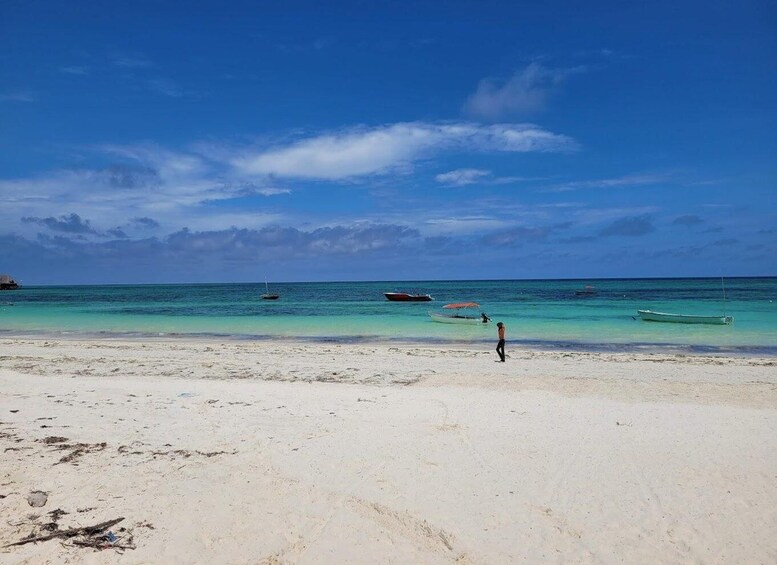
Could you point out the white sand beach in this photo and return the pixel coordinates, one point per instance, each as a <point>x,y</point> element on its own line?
<point>288,452</point>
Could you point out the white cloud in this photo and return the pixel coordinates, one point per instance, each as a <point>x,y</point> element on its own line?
<point>462,225</point>
<point>590,216</point>
<point>173,167</point>
<point>615,182</point>
<point>512,179</point>
<point>272,191</point>
<point>461,177</point>
<point>526,92</point>
<point>181,188</point>
<point>352,153</point>
<point>176,189</point>
<point>365,151</point>
<point>218,220</point>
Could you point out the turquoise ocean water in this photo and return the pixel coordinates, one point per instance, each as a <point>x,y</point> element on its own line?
<point>537,313</point>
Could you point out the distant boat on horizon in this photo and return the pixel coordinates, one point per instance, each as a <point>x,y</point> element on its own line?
<point>267,294</point>
<point>587,290</point>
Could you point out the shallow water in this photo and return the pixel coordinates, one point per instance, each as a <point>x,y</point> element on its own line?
<point>539,313</point>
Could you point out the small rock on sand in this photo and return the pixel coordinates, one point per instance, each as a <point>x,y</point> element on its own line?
<point>37,498</point>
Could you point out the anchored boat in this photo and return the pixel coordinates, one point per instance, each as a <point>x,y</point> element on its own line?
<point>407,297</point>
<point>587,290</point>
<point>650,316</point>
<point>269,295</point>
<point>461,313</point>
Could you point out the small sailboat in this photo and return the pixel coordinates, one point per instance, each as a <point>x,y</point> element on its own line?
<point>267,294</point>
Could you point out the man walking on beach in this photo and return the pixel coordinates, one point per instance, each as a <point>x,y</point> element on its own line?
<point>500,347</point>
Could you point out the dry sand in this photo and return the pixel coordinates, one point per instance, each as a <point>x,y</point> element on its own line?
<point>274,452</point>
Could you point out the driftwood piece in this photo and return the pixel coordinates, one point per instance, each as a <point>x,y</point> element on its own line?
<point>72,532</point>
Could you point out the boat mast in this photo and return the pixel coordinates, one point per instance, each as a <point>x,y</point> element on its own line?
<point>722,286</point>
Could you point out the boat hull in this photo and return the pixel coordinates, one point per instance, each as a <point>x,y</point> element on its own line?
<point>650,316</point>
<point>405,297</point>
<point>453,319</point>
<point>271,296</point>
<point>586,291</point>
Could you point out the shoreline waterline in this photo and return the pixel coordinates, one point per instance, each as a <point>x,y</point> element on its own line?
<point>527,344</point>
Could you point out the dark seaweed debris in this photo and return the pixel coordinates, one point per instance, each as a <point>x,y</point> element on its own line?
<point>92,535</point>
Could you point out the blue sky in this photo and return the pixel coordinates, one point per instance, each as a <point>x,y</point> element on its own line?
<point>150,142</point>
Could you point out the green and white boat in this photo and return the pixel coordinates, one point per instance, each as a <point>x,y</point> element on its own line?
<point>650,316</point>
